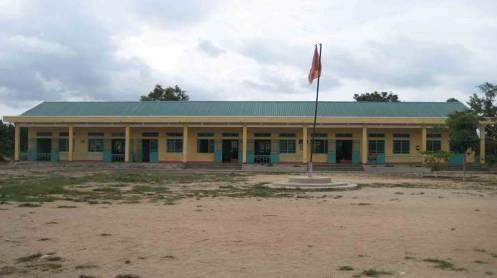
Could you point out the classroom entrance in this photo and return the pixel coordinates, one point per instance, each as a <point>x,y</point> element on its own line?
<point>344,151</point>
<point>230,151</point>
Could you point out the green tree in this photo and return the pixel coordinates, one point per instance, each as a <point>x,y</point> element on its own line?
<point>165,94</point>
<point>6,140</point>
<point>484,105</point>
<point>377,97</point>
<point>452,100</point>
<point>462,133</point>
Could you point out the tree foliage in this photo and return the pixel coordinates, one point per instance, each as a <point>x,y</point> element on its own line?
<point>462,131</point>
<point>165,94</point>
<point>484,105</point>
<point>6,140</point>
<point>452,100</point>
<point>377,97</point>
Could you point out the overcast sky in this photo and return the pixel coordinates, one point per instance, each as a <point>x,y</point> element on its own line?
<point>243,50</point>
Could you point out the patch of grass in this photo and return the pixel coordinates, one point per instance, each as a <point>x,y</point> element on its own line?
<point>46,266</point>
<point>346,268</point>
<point>7,270</point>
<point>34,189</point>
<point>444,265</point>
<point>480,262</point>
<point>409,258</point>
<point>481,250</point>
<point>375,273</point>
<point>127,276</point>
<point>107,189</point>
<point>85,266</point>
<point>66,206</point>
<point>105,234</point>
<point>54,259</point>
<point>29,205</point>
<point>493,255</point>
<point>148,188</point>
<point>29,258</point>
<point>168,257</point>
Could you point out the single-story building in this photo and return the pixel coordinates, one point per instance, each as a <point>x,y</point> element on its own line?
<point>266,132</point>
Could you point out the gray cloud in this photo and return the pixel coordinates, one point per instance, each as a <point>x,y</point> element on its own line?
<point>210,48</point>
<point>106,50</point>
<point>62,53</point>
<point>402,62</point>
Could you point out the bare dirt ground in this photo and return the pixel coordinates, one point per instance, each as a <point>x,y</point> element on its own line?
<point>102,223</point>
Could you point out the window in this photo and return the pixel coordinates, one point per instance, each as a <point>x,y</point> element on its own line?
<point>315,135</point>
<point>95,145</point>
<point>376,147</point>
<point>44,134</point>
<point>205,145</point>
<point>118,134</point>
<point>401,143</point>
<point>320,146</point>
<point>174,145</point>
<point>63,144</point>
<point>262,134</point>
<point>376,135</point>
<point>95,134</point>
<point>230,134</point>
<point>287,145</point>
<point>287,135</point>
<point>150,134</point>
<point>175,134</point>
<point>434,142</point>
<point>347,135</point>
<point>205,134</point>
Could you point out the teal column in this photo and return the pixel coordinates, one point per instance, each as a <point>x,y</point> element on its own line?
<point>456,159</point>
<point>139,155</point>
<point>332,155</point>
<point>356,152</point>
<point>107,150</point>
<point>218,151</point>
<point>32,149</point>
<point>154,155</point>
<point>131,151</point>
<point>250,152</point>
<point>54,153</point>
<point>275,151</point>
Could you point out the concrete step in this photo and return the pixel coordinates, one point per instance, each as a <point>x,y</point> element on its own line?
<point>213,165</point>
<point>469,167</point>
<point>337,167</point>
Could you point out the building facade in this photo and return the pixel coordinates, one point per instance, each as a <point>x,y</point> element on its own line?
<point>248,132</point>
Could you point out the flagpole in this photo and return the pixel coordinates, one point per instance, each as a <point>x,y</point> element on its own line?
<point>315,111</point>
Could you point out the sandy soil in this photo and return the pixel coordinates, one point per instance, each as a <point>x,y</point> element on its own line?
<point>387,229</point>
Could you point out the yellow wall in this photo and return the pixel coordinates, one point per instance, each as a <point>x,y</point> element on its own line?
<point>81,141</point>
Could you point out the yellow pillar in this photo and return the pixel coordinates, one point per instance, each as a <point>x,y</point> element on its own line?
<point>244,145</point>
<point>423,139</point>
<point>185,144</point>
<point>70,149</point>
<point>482,144</point>
<point>127,143</point>
<point>17,142</point>
<point>304,145</point>
<point>364,146</point>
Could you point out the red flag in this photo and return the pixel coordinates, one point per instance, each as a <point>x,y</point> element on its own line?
<point>315,71</point>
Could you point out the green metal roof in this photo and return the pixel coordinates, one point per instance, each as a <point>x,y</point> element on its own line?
<point>247,108</point>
